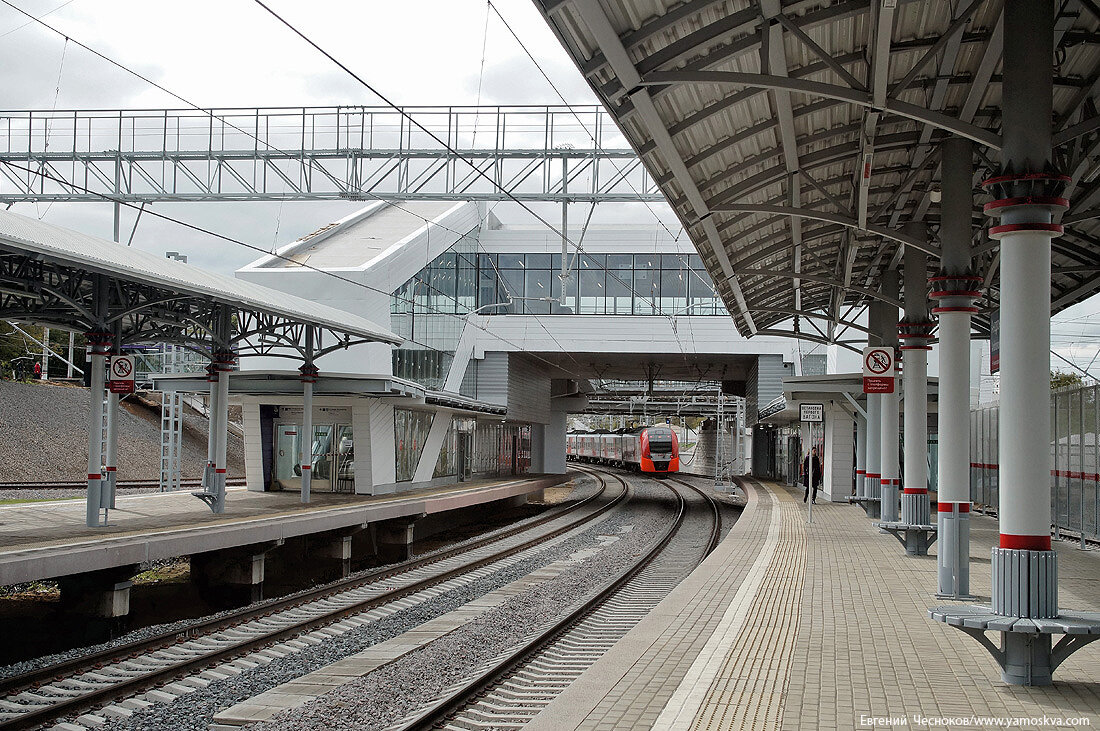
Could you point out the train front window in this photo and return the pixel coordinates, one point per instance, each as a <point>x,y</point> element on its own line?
<point>660,441</point>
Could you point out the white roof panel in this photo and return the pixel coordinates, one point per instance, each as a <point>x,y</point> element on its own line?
<point>22,234</point>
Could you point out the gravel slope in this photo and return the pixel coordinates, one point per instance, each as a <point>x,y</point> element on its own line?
<point>43,436</point>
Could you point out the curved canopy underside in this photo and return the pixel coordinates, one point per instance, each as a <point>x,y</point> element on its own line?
<point>794,140</point>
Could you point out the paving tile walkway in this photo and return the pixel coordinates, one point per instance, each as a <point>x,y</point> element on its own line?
<point>822,626</point>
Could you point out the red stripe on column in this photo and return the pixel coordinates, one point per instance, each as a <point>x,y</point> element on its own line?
<point>220,472</point>
<point>915,491</point>
<point>949,507</point>
<point>890,481</point>
<point>110,469</point>
<point>861,472</point>
<point>873,475</point>
<point>1025,543</point>
<point>307,467</point>
<point>95,477</point>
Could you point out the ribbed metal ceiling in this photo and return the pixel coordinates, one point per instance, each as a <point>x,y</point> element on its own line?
<point>795,139</point>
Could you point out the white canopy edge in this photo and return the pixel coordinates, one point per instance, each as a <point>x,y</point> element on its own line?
<point>65,246</point>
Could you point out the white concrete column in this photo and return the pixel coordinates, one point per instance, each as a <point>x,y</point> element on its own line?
<point>890,425</point>
<point>915,333</point>
<point>100,344</point>
<point>837,462</point>
<point>553,444</point>
<point>1024,511</point>
<point>873,489</point>
<point>890,409</point>
<point>110,467</point>
<point>915,505</point>
<point>212,374</point>
<point>1027,195</point>
<point>954,287</point>
<point>225,365</point>
<point>861,456</point>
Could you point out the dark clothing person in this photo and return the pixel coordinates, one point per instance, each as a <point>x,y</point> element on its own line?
<point>806,475</point>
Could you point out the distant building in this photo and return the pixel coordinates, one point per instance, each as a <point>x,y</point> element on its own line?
<point>491,343</point>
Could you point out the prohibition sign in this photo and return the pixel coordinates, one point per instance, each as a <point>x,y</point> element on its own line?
<point>121,368</point>
<point>878,370</point>
<point>878,362</point>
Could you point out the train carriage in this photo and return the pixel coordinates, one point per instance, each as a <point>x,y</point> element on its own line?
<point>646,449</point>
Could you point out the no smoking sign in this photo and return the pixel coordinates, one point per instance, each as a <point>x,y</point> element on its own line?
<point>878,370</point>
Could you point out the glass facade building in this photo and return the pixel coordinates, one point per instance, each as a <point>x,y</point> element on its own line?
<point>460,281</point>
<point>427,310</point>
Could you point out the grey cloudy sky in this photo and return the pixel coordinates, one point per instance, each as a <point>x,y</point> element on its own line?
<point>231,53</point>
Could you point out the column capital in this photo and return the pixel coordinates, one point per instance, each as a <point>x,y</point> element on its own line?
<point>916,334</point>
<point>1017,195</point>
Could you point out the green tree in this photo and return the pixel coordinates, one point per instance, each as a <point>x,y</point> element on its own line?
<point>1061,379</point>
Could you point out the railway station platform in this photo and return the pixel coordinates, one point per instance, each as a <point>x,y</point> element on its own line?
<point>789,625</point>
<point>45,540</point>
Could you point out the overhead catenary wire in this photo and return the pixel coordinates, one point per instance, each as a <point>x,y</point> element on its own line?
<point>209,113</point>
<point>262,250</point>
<point>478,172</point>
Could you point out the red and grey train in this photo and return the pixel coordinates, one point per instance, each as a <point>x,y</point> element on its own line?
<point>647,448</point>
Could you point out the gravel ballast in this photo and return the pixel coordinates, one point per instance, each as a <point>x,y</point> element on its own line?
<point>585,487</point>
<point>400,687</point>
<point>43,437</point>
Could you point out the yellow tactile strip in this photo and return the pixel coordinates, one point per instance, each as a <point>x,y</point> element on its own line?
<point>749,690</point>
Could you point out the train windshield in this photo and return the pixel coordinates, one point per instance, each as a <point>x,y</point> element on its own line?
<point>660,440</point>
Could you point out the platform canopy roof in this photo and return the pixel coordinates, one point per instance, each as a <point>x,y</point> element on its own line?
<point>47,277</point>
<point>795,138</point>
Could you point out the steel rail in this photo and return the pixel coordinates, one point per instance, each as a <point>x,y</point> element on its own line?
<point>128,687</point>
<point>439,712</point>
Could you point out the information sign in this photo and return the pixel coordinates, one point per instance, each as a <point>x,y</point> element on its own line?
<point>811,413</point>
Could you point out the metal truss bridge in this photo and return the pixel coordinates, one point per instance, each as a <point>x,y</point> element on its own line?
<point>532,153</point>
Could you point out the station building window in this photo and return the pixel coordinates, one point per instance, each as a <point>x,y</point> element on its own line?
<point>410,431</point>
<point>462,280</point>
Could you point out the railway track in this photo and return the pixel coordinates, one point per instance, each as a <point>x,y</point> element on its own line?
<point>512,689</point>
<point>160,668</point>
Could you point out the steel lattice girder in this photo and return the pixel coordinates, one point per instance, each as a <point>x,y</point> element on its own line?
<point>319,153</point>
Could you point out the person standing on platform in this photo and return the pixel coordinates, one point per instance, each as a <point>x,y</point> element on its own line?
<point>811,465</point>
<point>37,371</point>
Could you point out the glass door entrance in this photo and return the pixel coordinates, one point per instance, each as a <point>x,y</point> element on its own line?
<point>333,460</point>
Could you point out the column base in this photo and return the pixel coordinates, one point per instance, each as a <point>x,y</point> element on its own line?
<point>1026,655</point>
<point>1025,583</point>
<point>916,508</point>
<point>953,561</point>
<point>888,503</point>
